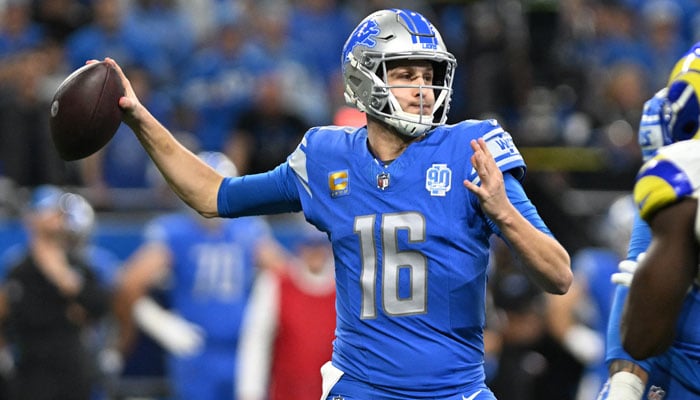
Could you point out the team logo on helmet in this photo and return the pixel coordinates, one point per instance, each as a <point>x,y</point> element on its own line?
<point>684,106</point>
<point>363,35</point>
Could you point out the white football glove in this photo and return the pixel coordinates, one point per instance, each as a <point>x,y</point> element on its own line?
<point>622,385</point>
<point>653,128</point>
<point>177,335</point>
<point>627,269</point>
<point>585,344</point>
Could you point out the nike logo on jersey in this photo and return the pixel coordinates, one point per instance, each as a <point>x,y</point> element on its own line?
<point>472,397</point>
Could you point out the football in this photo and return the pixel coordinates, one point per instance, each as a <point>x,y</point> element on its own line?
<point>85,111</point>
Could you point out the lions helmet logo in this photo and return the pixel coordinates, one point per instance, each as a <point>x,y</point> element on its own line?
<point>363,35</point>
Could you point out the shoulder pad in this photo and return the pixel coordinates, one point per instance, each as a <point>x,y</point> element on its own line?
<point>504,151</point>
<point>666,178</point>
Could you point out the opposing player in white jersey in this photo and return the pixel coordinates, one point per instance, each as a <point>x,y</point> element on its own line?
<point>408,203</point>
<point>661,313</point>
<point>672,116</point>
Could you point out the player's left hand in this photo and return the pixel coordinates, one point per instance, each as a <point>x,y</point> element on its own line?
<point>491,191</point>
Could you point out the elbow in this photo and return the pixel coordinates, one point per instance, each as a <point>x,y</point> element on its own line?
<point>566,278</point>
<point>563,283</point>
<point>557,284</point>
<point>205,207</point>
<point>643,345</point>
<point>208,214</point>
<point>562,280</point>
<point>566,281</point>
<point>638,349</point>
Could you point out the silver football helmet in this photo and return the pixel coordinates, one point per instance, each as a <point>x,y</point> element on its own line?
<point>389,35</point>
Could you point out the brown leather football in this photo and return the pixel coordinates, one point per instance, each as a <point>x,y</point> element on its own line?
<point>85,111</point>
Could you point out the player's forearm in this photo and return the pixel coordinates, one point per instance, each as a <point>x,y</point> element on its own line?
<point>546,260</point>
<point>52,263</point>
<point>661,282</point>
<point>258,332</point>
<point>191,179</point>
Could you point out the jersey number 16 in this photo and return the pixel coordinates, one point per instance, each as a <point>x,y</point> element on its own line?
<point>393,261</point>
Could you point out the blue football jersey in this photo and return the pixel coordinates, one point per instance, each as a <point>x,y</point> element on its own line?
<point>213,266</point>
<point>411,244</point>
<point>411,247</point>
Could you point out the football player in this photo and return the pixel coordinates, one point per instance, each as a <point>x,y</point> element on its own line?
<point>411,244</point>
<point>670,116</point>
<point>208,266</point>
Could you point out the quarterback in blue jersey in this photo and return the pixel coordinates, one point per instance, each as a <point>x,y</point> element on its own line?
<point>411,244</point>
<point>671,116</point>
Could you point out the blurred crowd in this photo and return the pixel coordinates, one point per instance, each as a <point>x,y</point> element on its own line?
<point>567,78</point>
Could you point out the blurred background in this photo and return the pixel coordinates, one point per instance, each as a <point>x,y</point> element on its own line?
<point>566,78</point>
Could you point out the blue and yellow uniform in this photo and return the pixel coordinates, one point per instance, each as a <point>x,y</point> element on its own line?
<point>674,174</point>
<point>672,116</point>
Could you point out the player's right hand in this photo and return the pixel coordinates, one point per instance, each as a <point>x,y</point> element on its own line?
<point>129,103</point>
<point>653,128</point>
<point>627,269</point>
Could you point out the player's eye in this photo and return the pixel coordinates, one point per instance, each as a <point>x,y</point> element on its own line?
<point>403,75</point>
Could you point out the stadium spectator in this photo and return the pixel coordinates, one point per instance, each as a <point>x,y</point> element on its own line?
<point>18,32</point>
<point>220,79</point>
<point>288,329</point>
<point>268,131</point>
<point>288,56</point>
<point>27,155</point>
<point>531,362</point>
<point>60,18</point>
<point>104,35</point>
<point>164,36</point>
<point>50,297</point>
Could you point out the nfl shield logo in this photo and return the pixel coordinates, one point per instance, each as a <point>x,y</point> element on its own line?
<point>383,180</point>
